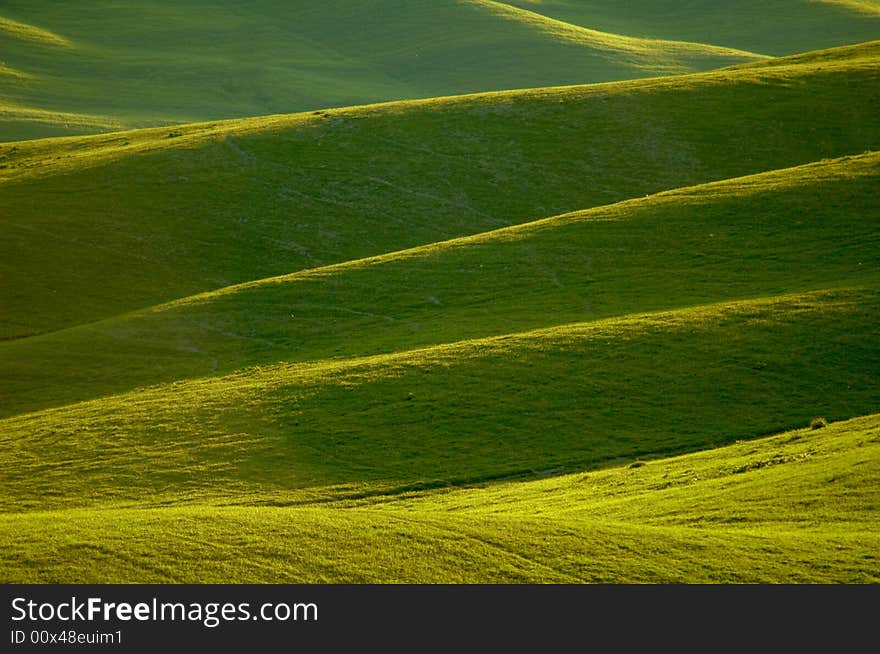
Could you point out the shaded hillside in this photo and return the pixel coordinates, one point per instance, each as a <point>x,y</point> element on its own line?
<point>772,27</point>
<point>795,230</point>
<point>571,396</point>
<point>173,213</point>
<point>81,68</point>
<point>564,334</point>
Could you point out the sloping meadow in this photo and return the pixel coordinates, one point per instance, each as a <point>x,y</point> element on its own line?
<point>540,335</point>
<point>98,226</point>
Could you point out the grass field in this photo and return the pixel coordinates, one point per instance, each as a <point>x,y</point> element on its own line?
<point>556,334</point>
<point>800,507</point>
<point>758,236</point>
<point>772,27</point>
<point>174,213</point>
<point>147,63</point>
<point>75,69</point>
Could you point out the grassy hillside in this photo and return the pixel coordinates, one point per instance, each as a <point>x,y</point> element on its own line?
<point>799,507</point>
<point>178,212</point>
<point>795,230</point>
<point>662,382</point>
<point>559,334</point>
<point>773,27</point>
<point>87,67</point>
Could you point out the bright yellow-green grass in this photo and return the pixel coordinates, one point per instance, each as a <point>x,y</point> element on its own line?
<point>773,27</point>
<point>182,211</point>
<point>144,63</point>
<point>567,397</point>
<point>798,507</point>
<point>542,335</point>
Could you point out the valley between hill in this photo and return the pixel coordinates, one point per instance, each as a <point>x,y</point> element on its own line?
<point>562,334</point>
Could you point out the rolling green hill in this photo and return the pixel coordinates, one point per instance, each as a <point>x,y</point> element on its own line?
<point>75,69</point>
<point>772,27</point>
<point>559,334</point>
<point>621,387</point>
<point>174,213</point>
<point>86,68</point>
<point>800,507</point>
<point>796,230</point>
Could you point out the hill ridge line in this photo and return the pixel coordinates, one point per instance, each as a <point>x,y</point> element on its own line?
<point>109,146</point>
<point>599,39</point>
<point>828,296</point>
<point>871,157</point>
<point>679,315</point>
<point>373,497</point>
<point>28,32</point>
<point>861,6</point>
<point>866,162</point>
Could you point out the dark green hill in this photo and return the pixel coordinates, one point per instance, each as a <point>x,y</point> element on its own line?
<point>773,27</point>
<point>96,226</point>
<point>526,336</point>
<point>791,231</point>
<point>73,68</point>
<point>569,397</point>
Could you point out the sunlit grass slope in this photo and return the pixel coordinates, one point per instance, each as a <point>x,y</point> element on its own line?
<point>537,335</point>
<point>95,226</point>
<point>797,507</point>
<point>773,27</point>
<point>794,230</point>
<point>569,396</point>
<point>146,63</point>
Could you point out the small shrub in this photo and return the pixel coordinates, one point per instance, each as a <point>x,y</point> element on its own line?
<point>818,423</point>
